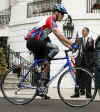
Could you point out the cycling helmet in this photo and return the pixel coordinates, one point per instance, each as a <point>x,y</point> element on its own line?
<point>60,8</point>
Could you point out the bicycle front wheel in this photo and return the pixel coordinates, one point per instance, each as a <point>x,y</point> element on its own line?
<point>67,87</point>
<point>17,94</point>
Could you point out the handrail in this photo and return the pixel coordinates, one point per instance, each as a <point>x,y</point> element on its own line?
<point>16,61</point>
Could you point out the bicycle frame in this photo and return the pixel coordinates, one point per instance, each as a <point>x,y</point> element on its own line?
<point>36,62</point>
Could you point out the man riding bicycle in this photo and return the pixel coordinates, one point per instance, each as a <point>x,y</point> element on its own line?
<point>38,41</point>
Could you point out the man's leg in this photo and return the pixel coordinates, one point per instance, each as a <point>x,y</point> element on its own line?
<point>97,79</point>
<point>53,50</point>
<point>82,78</point>
<point>39,50</point>
<point>82,83</point>
<point>88,86</point>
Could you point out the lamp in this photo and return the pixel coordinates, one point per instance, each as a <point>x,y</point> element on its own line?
<point>68,27</point>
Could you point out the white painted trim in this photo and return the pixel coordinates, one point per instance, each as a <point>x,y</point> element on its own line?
<point>89,16</point>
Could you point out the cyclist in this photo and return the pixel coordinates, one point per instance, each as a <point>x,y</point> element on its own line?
<point>38,41</point>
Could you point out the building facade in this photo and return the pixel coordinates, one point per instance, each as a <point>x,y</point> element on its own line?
<point>17,17</point>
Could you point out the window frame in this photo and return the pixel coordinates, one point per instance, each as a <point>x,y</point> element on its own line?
<point>43,10</point>
<point>93,6</point>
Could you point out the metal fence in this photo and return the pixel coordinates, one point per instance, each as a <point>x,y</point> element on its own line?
<point>17,61</point>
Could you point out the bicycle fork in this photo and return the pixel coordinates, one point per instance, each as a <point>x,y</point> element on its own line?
<point>73,73</point>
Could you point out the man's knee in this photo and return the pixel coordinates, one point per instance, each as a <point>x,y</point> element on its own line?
<point>53,47</point>
<point>53,50</point>
<point>56,49</point>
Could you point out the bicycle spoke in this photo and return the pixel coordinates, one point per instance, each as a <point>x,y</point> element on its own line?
<point>66,89</point>
<point>17,94</point>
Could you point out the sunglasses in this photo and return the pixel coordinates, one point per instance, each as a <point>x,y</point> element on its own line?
<point>62,14</point>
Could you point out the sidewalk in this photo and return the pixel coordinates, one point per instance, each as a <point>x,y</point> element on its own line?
<point>53,93</point>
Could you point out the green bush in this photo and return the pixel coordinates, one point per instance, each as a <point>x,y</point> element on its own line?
<point>3,65</point>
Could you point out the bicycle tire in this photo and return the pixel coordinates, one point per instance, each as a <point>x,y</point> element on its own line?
<point>24,96</point>
<point>66,92</point>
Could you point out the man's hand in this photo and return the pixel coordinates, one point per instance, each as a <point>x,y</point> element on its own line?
<point>74,47</point>
<point>90,40</point>
<point>75,54</point>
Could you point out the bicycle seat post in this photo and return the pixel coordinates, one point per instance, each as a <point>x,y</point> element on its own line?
<point>66,52</point>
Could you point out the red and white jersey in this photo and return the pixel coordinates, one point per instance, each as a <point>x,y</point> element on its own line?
<point>42,31</point>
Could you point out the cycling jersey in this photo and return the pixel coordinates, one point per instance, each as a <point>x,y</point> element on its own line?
<point>41,32</point>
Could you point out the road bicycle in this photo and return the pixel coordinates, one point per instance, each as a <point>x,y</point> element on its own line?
<point>20,89</point>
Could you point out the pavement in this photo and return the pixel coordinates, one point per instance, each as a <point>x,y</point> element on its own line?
<point>46,106</point>
<point>52,92</point>
<point>52,105</point>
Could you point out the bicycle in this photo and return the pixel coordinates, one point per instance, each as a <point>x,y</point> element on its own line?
<point>22,91</point>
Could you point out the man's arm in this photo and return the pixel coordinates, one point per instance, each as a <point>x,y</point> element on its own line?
<point>65,41</point>
<point>90,44</point>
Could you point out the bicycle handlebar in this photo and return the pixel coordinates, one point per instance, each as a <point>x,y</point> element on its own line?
<point>70,49</point>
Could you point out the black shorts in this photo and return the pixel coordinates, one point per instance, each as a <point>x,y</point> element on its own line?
<point>38,47</point>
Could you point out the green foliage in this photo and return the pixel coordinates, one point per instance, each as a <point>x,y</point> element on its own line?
<point>3,65</point>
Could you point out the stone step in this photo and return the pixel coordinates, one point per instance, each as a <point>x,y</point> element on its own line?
<point>13,85</point>
<point>12,80</point>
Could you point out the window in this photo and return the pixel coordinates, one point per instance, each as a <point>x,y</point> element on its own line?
<point>93,6</point>
<point>98,1</point>
<point>5,16</point>
<point>41,7</point>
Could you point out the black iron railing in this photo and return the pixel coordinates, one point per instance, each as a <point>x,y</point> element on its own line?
<point>93,6</point>
<point>5,16</point>
<point>17,61</point>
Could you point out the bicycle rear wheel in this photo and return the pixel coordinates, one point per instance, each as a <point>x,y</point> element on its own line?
<point>66,88</point>
<point>16,94</point>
